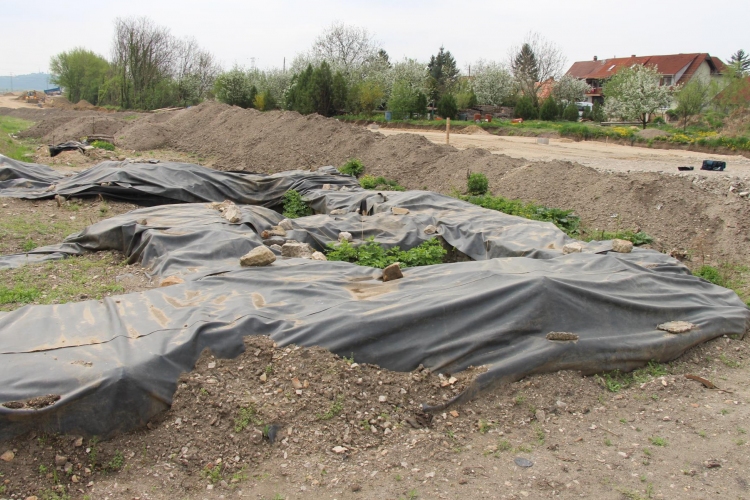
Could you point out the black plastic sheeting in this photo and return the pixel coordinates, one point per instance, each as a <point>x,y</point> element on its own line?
<point>114,363</point>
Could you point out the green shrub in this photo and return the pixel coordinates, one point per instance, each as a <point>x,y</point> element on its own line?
<point>372,254</point>
<point>711,274</point>
<point>103,145</point>
<point>447,107</point>
<point>549,110</point>
<point>353,167</point>
<point>570,113</point>
<point>477,184</point>
<point>525,109</point>
<point>564,219</point>
<point>637,238</point>
<point>380,183</point>
<point>597,113</point>
<point>295,206</point>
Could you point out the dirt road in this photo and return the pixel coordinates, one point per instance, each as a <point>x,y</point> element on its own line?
<point>599,155</point>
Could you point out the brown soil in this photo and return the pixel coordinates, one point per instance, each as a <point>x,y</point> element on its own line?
<point>665,436</point>
<point>473,130</point>
<point>701,215</point>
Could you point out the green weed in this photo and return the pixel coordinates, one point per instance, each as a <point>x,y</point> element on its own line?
<point>372,254</point>
<point>336,407</point>
<point>245,417</point>
<point>353,167</point>
<point>658,441</point>
<point>295,206</point>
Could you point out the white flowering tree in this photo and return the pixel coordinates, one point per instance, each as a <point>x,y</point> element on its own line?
<point>570,89</point>
<point>491,82</point>
<point>635,93</point>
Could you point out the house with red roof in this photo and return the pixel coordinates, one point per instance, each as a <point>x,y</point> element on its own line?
<point>675,69</point>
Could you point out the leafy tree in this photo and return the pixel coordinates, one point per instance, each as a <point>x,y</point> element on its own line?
<point>406,100</point>
<point>442,72</point>
<point>466,99</point>
<point>321,90</point>
<point>597,113</point>
<point>536,61</point>
<point>447,107</point>
<point>635,93</point>
<point>340,92</point>
<point>736,91</point>
<point>234,88</point>
<point>570,113</point>
<point>81,73</point>
<point>692,98</point>
<point>549,109</point>
<point>298,97</point>
<point>570,89</point>
<point>367,96</point>
<point>740,61</point>
<point>525,109</point>
<point>492,82</point>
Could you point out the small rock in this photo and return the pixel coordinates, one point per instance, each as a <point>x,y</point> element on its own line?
<point>296,383</point>
<point>286,225</point>
<point>275,248</point>
<point>399,211</point>
<point>337,211</point>
<point>711,464</point>
<point>73,478</point>
<point>7,456</point>
<point>540,415</point>
<point>382,399</point>
<point>676,326</point>
<point>60,460</point>
<point>258,256</point>
<point>256,436</point>
<point>275,240</point>
<point>745,194</point>
<point>622,246</point>
<point>356,488</point>
<point>430,229</point>
<point>171,280</point>
<point>78,442</point>
<point>142,222</point>
<point>344,235</point>
<point>572,248</point>
<point>454,414</point>
<point>523,462</point>
<point>299,250</point>
<point>339,449</point>
<point>623,454</point>
<point>392,272</point>
<point>263,377</point>
<point>318,256</point>
<point>326,187</point>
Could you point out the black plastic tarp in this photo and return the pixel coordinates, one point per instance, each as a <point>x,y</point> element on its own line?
<point>114,363</point>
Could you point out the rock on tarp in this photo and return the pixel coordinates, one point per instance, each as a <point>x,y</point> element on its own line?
<point>114,363</point>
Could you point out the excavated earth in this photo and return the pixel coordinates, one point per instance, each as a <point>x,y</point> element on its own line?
<point>295,423</point>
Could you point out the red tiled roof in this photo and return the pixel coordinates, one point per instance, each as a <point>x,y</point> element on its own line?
<point>666,65</point>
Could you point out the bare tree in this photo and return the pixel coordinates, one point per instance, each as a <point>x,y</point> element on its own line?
<point>535,61</point>
<point>346,48</point>
<point>194,71</point>
<point>143,54</point>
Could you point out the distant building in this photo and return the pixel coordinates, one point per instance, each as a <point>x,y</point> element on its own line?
<point>675,69</point>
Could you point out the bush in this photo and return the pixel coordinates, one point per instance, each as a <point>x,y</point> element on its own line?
<point>597,113</point>
<point>477,184</point>
<point>295,206</point>
<point>466,100</point>
<point>380,183</point>
<point>549,110</point>
<point>371,254</point>
<point>570,113</point>
<point>525,109</point>
<point>710,274</point>
<point>353,167</point>
<point>564,219</point>
<point>103,145</point>
<point>447,107</point>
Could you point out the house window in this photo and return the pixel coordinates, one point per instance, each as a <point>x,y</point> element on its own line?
<point>666,80</point>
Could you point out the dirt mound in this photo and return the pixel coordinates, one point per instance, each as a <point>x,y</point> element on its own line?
<point>473,130</point>
<point>83,104</point>
<point>685,212</point>
<point>9,94</point>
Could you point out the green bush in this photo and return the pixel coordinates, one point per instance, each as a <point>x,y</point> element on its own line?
<point>570,113</point>
<point>295,206</point>
<point>711,274</point>
<point>103,145</point>
<point>597,113</point>
<point>477,184</point>
<point>380,183</point>
<point>371,254</point>
<point>353,167</point>
<point>447,107</point>
<point>549,110</point>
<point>525,109</point>
<point>564,219</point>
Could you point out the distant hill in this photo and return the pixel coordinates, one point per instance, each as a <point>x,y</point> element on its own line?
<point>34,81</point>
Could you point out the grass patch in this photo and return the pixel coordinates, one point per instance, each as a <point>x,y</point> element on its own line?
<point>380,183</point>
<point>733,276</point>
<point>336,407</point>
<point>75,278</point>
<point>658,441</point>
<point>12,148</point>
<point>245,417</point>
<point>103,145</point>
<point>372,254</point>
<point>616,380</point>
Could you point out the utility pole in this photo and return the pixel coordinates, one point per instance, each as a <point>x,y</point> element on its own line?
<point>11,81</point>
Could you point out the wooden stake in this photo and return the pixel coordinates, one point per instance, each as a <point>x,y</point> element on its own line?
<point>447,130</point>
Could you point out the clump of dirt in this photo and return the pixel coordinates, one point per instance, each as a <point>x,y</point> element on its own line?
<point>652,133</point>
<point>473,130</point>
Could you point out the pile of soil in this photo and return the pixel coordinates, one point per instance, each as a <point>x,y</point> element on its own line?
<point>690,213</point>
<point>652,133</point>
<point>473,130</point>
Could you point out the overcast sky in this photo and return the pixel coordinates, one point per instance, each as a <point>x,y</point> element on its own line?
<point>237,31</point>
